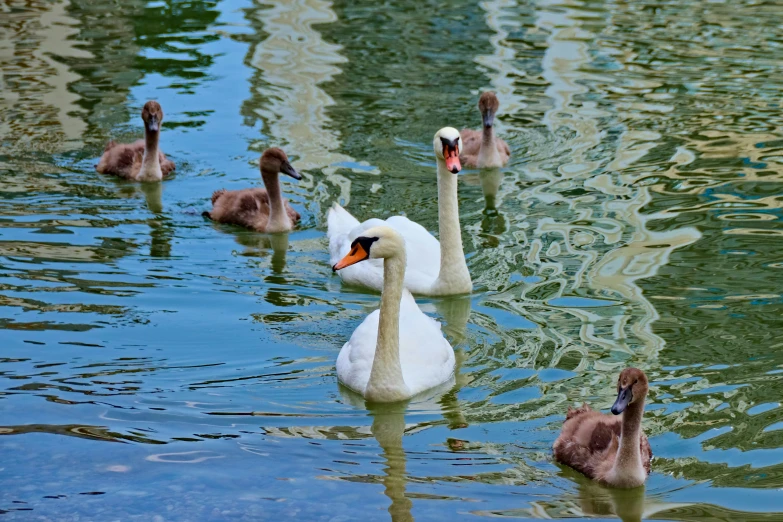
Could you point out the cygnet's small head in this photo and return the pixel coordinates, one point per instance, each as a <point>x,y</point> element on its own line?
<point>376,243</point>
<point>446,144</point>
<point>274,161</point>
<point>488,105</point>
<point>632,387</point>
<point>152,114</point>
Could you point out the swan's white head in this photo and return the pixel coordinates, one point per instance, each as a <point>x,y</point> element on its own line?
<point>447,144</point>
<point>375,243</point>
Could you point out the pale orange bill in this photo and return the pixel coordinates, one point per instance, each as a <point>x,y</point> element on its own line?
<point>452,159</point>
<point>356,254</point>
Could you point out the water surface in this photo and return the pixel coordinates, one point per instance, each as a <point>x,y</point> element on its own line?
<point>154,364</point>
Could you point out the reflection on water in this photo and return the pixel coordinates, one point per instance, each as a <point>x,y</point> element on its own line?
<point>632,226</point>
<point>153,194</point>
<point>259,244</point>
<point>38,111</point>
<point>586,254</point>
<point>594,500</point>
<point>293,61</point>
<point>629,505</point>
<point>388,428</point>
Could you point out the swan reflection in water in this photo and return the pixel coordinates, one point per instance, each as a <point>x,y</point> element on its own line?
<point>452,313</point>
<point>491,180</point>
<point>161,226</point>
<point>153,196</point>
<point>152,192</point>
<point>598,500</point>
<point>595,500</point>
<point>493,221</point>
<point>388,427</point>
<point>257,245</point>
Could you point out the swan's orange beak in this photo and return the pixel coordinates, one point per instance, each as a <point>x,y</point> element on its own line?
<point>451,155</point>
<point>357,253</point>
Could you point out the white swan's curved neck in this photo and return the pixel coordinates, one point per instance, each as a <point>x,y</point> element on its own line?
<point>386,383</point>
<point>453,277</point>
<point>278,217</point>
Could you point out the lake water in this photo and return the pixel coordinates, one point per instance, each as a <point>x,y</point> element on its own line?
<point>156,366</point>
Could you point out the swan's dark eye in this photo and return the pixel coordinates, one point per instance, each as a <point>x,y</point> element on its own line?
<point>636,381</point>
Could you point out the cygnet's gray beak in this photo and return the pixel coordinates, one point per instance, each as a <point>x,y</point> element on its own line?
<point>286,168</point>
<point>624,397</point>
<point>489,119</point>
<point>153,124</point>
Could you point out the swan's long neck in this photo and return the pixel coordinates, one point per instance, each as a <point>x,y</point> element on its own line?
<point>278,217</point>
<point>150,163</point>
<point>629,453</point>
<point>453,277</point>
<point>488,136</point>
<point>386,382</point>
<point>488,154</point>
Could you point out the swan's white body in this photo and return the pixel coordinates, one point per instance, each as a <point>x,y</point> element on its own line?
<point>426,357</point>
<point>433,267</point>
<point>423,250</point>
<point>397,352</point>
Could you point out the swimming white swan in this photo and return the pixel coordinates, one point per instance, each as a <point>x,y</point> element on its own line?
<point>433,268</point>
<point>398,351</point>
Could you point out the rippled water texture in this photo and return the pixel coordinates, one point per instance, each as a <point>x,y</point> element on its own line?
<point>153,364</point>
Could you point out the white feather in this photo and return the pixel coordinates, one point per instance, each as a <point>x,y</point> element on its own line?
<point>423,251</point>
<point>426,357</point>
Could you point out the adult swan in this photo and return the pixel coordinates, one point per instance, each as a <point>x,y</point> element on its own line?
<point>433,268</point>
<point>398,351</point>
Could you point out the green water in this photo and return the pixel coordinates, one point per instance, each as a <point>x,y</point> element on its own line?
<point>155,366</point>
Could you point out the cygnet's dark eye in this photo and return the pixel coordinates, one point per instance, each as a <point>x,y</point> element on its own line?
<point>636,381</point>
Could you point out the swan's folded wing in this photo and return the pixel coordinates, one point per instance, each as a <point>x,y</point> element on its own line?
<point>166,165</point>
<point>421,247</point>
<point>426,356</point>
<point>342,228</point>
<point>293,215</point>
<point>503,148</point>
<point>575,455</point>
<point>647,454</point>
<point>121,159</point>
<point>471,142</point>
<point>339,221</point>
<point>355,360</point>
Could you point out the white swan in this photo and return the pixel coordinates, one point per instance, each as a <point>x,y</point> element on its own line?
<point>433,268</point>
<point>398,351</point>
